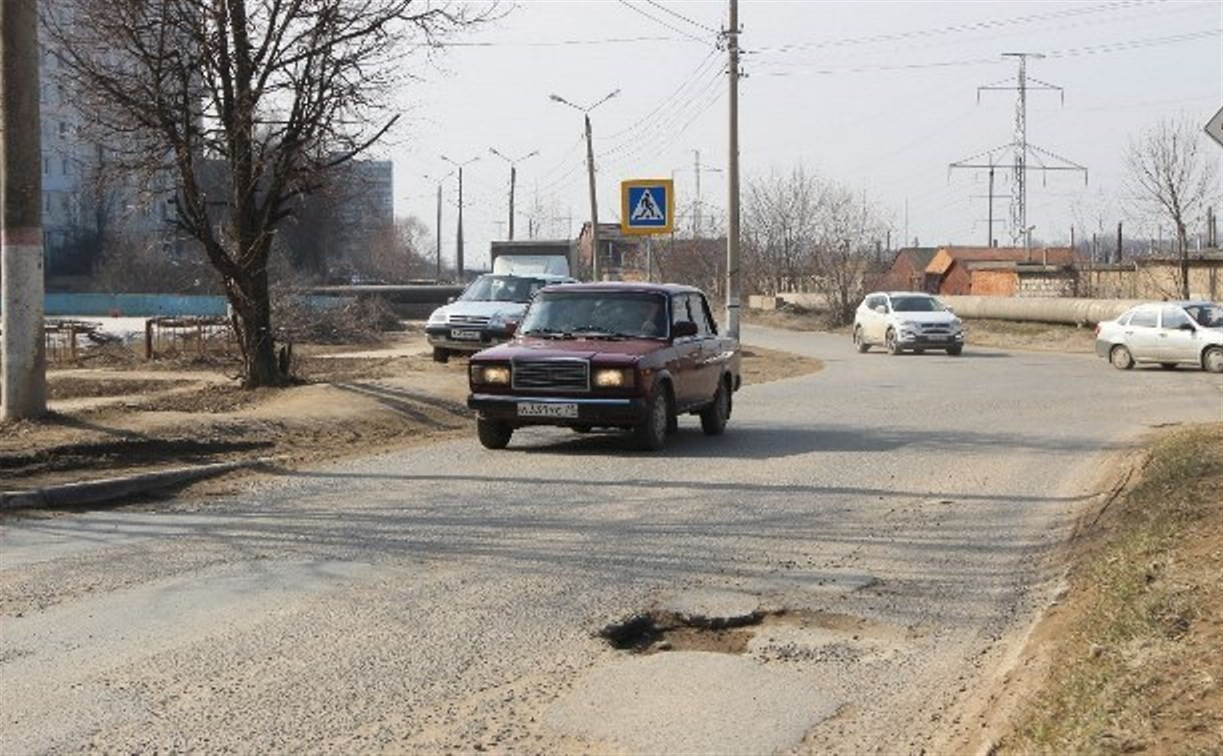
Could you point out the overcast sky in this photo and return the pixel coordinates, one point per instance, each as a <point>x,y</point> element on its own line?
<point>880,96</point>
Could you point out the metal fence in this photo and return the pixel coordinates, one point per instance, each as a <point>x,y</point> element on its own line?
<point>187,336</point>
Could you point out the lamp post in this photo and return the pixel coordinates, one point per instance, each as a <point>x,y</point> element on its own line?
<point>438,235</point>
<point>513,178</point>
<point>590,170</point>
<point>458,246</point>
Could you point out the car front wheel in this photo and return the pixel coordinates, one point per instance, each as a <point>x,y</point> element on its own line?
<point>956,350</point>
<point>493,434</point>
<point>1121,358</point>
<point>651,434</point>
<point>440,355</point>
<point>859,342</point>
<point>714,417</point>
<point>893,344</point>
<point>1212,360</point>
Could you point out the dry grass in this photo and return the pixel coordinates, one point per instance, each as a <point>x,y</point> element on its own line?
<point>1137,666</point>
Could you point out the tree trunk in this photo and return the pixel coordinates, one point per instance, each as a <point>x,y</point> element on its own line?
<point>1184,259</point>
<point>253,326</point>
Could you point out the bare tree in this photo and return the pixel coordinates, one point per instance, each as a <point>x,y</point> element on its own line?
<point>803,232</point>
<point>1172,178</point>
<point>240,107</point>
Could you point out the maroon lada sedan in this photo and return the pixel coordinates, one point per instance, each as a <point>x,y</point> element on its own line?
<point>629,356</point>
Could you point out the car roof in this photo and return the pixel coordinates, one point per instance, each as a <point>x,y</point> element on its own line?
<point>539,276</point>
<point>627,286</point>
<point>901,294</point>
<point>1177,303</point>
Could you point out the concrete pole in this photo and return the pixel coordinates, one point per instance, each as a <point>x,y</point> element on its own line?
<point>732,179</point>
<point>513,180</point>
<point>23,385</point>
<point>594,204</point>
<point>458,249</point>
<point>439,231</point>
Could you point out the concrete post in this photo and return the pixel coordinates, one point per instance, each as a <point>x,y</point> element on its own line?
<point>23,379</point>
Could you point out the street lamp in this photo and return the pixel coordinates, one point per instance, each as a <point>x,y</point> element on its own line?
<point>590,170</point>
<point>439,180</point>
<point>513,178</point>
<point>458,246</point>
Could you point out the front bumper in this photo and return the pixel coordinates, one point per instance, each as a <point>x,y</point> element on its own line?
<point>617,412</point>
<point>911,340</point>
<point>440,336</point>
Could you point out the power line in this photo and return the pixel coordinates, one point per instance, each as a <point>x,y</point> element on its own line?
<point>682,17</point>
<point>1072,52</point>
<point>956,28</point>
<point>660,21</point>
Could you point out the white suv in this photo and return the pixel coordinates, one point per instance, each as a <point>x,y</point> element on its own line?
<point>900,320</point>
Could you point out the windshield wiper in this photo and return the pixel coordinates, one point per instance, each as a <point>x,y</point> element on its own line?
<point>598,332</point>
<point>548,333</point>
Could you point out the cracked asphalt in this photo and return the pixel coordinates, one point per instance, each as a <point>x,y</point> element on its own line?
<point>448,597</point>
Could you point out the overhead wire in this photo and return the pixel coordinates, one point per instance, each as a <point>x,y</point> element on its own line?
<point>682,17</point>
<point>660,21</point>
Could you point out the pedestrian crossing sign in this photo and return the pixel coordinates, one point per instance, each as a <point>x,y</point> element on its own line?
<point>647,206</point>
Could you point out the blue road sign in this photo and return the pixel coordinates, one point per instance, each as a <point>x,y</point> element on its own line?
<point>647,206</point>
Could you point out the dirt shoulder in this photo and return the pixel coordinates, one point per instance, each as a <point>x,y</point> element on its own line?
<point>1127,657</point>
<point>991,334</point>
<point>122,415</point>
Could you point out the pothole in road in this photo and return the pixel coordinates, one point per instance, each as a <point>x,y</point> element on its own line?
<point>659,630</point>
<point>656,631</point>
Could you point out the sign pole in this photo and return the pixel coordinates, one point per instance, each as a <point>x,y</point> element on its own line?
<point>732,176</point>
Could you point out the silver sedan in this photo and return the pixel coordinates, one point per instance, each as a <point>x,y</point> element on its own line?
<point>1164,333</point>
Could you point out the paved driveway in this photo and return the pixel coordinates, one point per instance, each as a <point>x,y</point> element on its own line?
<point>902,511</point>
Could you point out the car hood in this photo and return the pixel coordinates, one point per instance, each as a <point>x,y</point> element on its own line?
<point>600,350</point>
<point>924,317</point>
<point>481,309</point>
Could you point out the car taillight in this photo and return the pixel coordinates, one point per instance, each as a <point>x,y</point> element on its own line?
<point>1097,329</point>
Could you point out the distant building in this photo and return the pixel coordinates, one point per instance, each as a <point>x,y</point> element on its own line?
<point>618,254</point>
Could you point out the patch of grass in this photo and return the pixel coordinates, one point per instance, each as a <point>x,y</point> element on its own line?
<point>1139,667</point>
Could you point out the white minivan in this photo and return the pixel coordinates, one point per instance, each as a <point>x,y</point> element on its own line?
<point>906,320</point>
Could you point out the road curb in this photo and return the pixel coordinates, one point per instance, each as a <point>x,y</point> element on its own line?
<point>70,495</point>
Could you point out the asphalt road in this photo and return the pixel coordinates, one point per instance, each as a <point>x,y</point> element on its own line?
<point>905,512</point>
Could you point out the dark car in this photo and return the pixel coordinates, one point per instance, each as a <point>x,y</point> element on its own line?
<point>630,356</point>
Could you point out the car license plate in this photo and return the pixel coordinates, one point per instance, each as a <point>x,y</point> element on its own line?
<point>539,409</point>
<point>464,335</point>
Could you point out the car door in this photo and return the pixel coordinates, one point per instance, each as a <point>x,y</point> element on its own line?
<point>876,322</point>
<point>709,366</point>
<point>1141,334</point>
<point>1178,336</point>
<point>687,354</point>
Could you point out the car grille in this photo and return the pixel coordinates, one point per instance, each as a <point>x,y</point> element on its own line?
<point>468,320</point>
<point>936,329</point>
<point>556,375</point>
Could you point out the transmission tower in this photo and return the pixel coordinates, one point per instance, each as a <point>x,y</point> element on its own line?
<point>1025,157</point>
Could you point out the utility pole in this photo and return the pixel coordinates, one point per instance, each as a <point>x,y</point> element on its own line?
<point>732,177</point>
<point>23,381</point>
<point>458,246</point>
<point>513,179</point>
<point>590,171</point>
<point>990,197</point>
<point>1020,148</point>
<point>1118,242</point>
<point>438,235</point>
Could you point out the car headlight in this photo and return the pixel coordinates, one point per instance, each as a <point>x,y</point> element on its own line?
<point>491,374</point>
<point>503,320</point>
<point>438,316</point>
<point>613,378</point>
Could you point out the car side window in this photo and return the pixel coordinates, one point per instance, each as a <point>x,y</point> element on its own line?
<point>679,309</point>
<point>873,302</point>
<point>696,307</point>
<point>701,304</point>
<point>1143,319</point>
<point>1173,317</point>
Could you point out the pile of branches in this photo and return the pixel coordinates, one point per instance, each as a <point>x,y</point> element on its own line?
<point>363,320</point>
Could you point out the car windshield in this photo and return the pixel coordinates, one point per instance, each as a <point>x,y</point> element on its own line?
<point>567,314</point>
<point>1206,315</point>
<point>502,289</point>
<point>917,304</point>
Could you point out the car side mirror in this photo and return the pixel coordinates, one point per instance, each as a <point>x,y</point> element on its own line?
<point>683,329</point>
<point>1186,327</point>
<point>450,300</point>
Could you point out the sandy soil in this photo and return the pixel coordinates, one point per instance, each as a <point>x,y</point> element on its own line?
<point>127,415</point>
